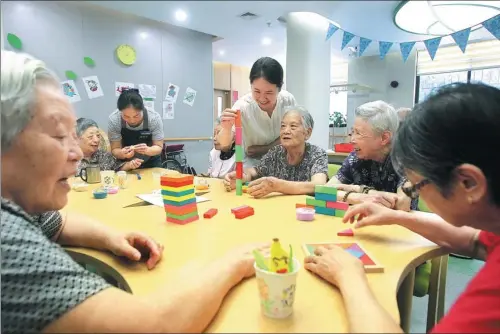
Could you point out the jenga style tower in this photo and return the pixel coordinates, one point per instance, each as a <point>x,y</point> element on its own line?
<point>239,154</point>
<point>179,198</point>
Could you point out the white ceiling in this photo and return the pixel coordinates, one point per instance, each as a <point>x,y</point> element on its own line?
<point>241,39</point>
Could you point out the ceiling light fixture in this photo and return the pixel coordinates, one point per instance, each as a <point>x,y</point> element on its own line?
<point>143,35</point>
<point>440,18</point>
<point>180,15</point>
<point>266,41</point>
<point>222,52</point>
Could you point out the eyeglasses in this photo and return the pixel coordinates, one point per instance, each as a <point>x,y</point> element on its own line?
<point>413,191</point>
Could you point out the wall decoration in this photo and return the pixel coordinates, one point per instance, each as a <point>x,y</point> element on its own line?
<point>168,110</point>
<point>89,61</point>
<point>69,89</point>
<point>493,26</point>
<point>363,44</point>
<point>346,39</point>
<point>432,45</point>
<point>406,49</point>
<point>147,91</point>
<point>189,96</point>
<point>14,41</point>
<point>93,87</point>
<point>149,104</point>
<point>70,75</point>
<point>126,54</point>
<point>121,86</point>
<point>172,93</point>
<point>383,48</point>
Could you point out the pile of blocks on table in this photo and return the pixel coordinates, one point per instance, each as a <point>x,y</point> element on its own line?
<point>179,198</point>
<point>325,202</point>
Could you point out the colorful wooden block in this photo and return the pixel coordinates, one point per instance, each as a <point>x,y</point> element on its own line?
<point>239,170</point>
<point>181,210</point>
<point>177,193</point>
<point>325,211</point>
<point>174,203</point>
<point>355,249</point>
<point>177,178</point>
<point>237,119</point>
<point>314,202</point>
<point>238,135</point>
<point>182,217</point>
<point>210,213</point>
<point>178,189</point>
<point>179,198</point>
<point>346,233</point>
<point>239,187</point>
<point>325,190</point>
<point>233,210</point>
<point>300,205</point>
<point>339,213</point>
<point>338,205</point>
<point>325,197</point>
<point>238,150</point>
<point>182,222</point>
<point>244,189</point>
<point>176,184</point>
<point>244,213</point>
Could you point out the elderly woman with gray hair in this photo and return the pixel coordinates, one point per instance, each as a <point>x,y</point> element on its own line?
<point>89,138</point>
<point>367,174</point>
<point>294,167</point>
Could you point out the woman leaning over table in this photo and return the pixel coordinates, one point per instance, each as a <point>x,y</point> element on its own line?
<point>460,182</point>
<point>261,111</point>
<point>89,139</point>
<point>294,167</point>
<point>43,289</point>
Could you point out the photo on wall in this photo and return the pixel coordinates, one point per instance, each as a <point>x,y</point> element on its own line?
<point>93,87</point>
<point>70,90</point>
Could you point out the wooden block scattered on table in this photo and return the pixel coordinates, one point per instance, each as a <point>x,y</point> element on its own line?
<point>210,213</point>
<point>233,210</point>
<point>244,213</point>
<point>346,233</point>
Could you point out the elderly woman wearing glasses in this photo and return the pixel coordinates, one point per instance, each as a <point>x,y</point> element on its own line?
<point>367,173</point>
<point>294,167</point>
<point>460,182</point>
<point>89,139</point>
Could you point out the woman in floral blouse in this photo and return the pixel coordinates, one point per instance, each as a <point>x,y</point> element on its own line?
<point>89,138</point>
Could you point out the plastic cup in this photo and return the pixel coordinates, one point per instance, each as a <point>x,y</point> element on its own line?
<point>122,179</point>
<point>277,291</point>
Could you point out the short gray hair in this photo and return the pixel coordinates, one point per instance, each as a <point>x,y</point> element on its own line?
<point>380,115</point>
<point>20,73</point>
<point>307,119</point>
<point>82,124</point>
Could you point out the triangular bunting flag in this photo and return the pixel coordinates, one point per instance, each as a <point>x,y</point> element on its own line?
<point>331,30</point>
<point>432,45</point>
<point>346,39</point>
<point>461,38</point>
<point>363,44</point>
<point>493,26</point>
<point>383,48</point>
<point>406,48</point>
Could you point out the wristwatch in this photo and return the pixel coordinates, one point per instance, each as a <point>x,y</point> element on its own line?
<point>347,194</point>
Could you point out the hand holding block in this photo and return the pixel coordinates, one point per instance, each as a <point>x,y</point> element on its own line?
<point>210,213</point>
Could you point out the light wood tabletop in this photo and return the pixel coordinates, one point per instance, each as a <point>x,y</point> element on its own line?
<point>318,306</point>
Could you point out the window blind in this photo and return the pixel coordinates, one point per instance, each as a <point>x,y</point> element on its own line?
<point>450,58</point>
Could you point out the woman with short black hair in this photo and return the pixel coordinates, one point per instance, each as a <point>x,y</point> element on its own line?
<point>261,111</point>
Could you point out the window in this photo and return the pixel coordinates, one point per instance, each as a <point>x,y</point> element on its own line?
<point>488,76</point>
<point>219,105</point>
<point>429,83</point>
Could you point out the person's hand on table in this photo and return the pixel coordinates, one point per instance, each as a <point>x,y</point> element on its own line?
<point>262,186</point>
<point>348,187</point>
<point>128,152</point>
<point>386,199</point>
<point>136,246</point>
<point>334,264</point>
<point>141,148</point>
<point>243,258</point>
<point>229,181</point>
<point>132,164</point>
<point>369,214</point>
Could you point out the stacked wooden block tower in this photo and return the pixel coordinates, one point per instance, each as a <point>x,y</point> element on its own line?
<point>179,198</point>
<point>239,154</point>
<point>325,202</point>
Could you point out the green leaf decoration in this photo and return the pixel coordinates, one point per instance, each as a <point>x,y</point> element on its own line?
<point>70,75</point>
<point>290,261</point>
<point>260,260</point>
<point>89,61</point>
<point>14,41</point>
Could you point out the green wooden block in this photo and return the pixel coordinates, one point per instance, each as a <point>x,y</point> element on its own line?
<point>239,153</point>
<point>239,187</point>
<point>339,213</point>
<point>183,217</point>
<point>325,190</point>
<point>315,202</point>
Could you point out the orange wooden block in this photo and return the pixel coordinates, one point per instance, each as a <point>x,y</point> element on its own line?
<point>300,205</point>
<point>176,184</point>
<point>237,120</point>
<point>177,178</point>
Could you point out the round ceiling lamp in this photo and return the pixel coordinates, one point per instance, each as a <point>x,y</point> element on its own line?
<point>440,18</point>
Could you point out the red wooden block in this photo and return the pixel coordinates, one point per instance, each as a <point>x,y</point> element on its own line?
<point>177,178</point>
<point>338,205</point>
<point>210,213</point>
<point>244,213</point>
<point>176,184</point>
<point>180,210</point>
<point>239,170</point>
<point>300,205</point>
<point>234,210</point>
<point>346,233</point>
<point>182,222</point>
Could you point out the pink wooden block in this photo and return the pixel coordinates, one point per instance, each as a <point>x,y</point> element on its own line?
<point>338,205</point>
<point>239,136</point>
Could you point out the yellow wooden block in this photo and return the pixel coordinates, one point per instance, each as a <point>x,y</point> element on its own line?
<point>179,199</point>
<point>178,189</point>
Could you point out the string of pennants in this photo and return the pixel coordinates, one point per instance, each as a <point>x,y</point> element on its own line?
<point>460,37</point>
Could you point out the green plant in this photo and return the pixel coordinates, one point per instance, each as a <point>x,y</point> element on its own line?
<point>338,120</point>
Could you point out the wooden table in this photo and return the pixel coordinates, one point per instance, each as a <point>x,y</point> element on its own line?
<point>336,157</point>
<point>318,306</point>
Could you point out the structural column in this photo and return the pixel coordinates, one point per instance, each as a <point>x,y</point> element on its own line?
<point>308,61</point>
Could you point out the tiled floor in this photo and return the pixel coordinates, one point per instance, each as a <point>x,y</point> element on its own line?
<point>460,272</point>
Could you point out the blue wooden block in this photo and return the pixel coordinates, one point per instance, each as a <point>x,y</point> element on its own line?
<point>177,194</point>
<point>325,197</point>
<point>189,201</point>
<point>325,211</point>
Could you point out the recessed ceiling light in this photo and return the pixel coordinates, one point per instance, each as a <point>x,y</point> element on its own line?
<point>180,15</point>
<point>222,52</point>
<point>266,41</point>
<point>143,35</point>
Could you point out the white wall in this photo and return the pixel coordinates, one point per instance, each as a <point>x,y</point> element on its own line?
<point>378,74</point>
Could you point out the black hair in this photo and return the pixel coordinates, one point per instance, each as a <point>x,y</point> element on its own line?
<point>269,69</point>
<point>458,124</point>
<point>130,98</point>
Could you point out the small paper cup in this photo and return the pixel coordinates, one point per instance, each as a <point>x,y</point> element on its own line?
<point>277,291</point>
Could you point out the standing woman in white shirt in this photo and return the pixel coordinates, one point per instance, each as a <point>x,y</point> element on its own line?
<point>261,111</point>
<point>222,159</point>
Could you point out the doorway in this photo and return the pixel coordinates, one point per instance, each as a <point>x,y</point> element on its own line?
<point>222,100</point>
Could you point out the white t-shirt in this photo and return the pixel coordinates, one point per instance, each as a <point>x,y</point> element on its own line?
<point>258,127</point>
<point>218,168</point>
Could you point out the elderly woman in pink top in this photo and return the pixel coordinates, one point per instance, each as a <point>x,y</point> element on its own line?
<point>221,159</point>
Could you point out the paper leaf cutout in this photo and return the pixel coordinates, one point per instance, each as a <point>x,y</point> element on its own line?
<point>14,41</point>
<point>260,260</point>
<point>89,61</point>
<point>70,75</point>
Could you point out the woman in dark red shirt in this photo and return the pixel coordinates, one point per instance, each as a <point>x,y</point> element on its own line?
<point>459,179</point>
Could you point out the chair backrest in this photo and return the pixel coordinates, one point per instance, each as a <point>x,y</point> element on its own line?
<point>104,144</point>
